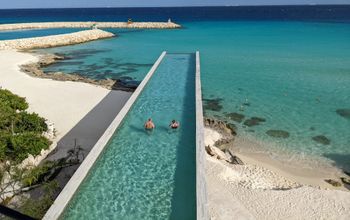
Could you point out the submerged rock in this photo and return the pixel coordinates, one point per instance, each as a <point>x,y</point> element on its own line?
<point>333,182</point>
<point>235,117</point>
<point>321,139</point>
<point>253,121</point>
<point>35,70</point>
<point>345,112</point>
<point>278,133</point>
<point>213,104</point>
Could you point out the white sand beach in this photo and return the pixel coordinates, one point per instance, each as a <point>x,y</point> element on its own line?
<point>62,103</point>
<point>254,191</point>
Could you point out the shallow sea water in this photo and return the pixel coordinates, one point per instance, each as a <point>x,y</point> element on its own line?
<point>295,75</point>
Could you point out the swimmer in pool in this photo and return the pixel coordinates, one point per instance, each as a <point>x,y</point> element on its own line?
<point>174,124</point>
<point>149,125</point>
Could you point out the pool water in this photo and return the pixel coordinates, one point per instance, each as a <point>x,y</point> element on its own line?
<point>148,175</point>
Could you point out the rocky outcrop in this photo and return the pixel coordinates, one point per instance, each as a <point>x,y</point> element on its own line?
<point>227,130</point>
<point>55,40</point>
<point>333,182</point>
<point>35,70</point>
<point>345,180</point>
<point>90,24</point>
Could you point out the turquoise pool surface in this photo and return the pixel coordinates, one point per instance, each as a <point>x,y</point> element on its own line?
<point>148,175</point>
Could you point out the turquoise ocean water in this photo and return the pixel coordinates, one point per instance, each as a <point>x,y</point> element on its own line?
<point>296,75</point>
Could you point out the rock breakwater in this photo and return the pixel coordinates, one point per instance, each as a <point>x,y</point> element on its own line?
<point>55,40</point>
<point>90,24</point>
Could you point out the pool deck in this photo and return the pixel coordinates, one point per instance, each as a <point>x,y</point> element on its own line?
<point>68,192</point>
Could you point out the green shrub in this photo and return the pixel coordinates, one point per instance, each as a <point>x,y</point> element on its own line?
<point>13,101</point>
<point>27,143</point>
<point>4,141</point>
<point>26,122</point>
<point>20,132</point>
<point>7,117</point>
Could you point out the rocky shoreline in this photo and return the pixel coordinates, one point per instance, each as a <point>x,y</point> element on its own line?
<point>35,70</point>
<point>90,24</point>
<point>55,40</point>
<point>222,149</point>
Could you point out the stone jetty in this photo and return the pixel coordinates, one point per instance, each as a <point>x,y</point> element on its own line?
<point>55,40</point>
<point>89,24</point>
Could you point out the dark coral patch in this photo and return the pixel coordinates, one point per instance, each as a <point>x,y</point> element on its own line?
<point>235,117</point>
<point>278,133</point>
<point>321,139</point>
<point>213,104</point>
<point>344,112</point>
<point>253,121</point>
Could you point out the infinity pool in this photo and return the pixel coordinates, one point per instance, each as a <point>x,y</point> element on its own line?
<point>148,175</point>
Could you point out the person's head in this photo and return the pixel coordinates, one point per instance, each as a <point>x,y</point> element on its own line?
<point>173,121</point>
<point>150,119</point>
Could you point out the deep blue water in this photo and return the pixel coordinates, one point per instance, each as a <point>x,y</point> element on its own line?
<point>328,13</point>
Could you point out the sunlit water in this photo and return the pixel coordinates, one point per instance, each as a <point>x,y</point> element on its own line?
<point>293,74</point>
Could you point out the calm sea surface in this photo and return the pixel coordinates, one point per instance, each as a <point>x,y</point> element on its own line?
<point>289,66</point>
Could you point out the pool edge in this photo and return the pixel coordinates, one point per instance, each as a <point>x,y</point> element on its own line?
<point>73,184</point>
<point>201,184</point>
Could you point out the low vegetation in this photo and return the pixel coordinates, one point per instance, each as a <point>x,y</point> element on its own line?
<point>21,133</point>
